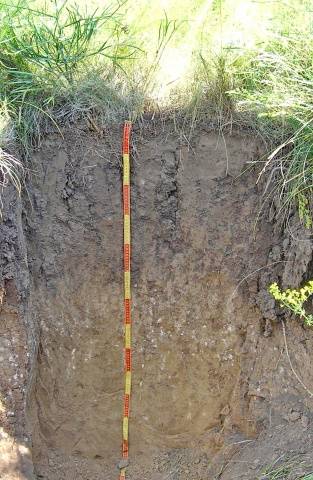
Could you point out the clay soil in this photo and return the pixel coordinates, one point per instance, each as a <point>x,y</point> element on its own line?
<point>214,395</point>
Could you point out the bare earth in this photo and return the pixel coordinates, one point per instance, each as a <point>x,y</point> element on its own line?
<point>214,396</point>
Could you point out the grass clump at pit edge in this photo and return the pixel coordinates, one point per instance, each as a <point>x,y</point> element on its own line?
<point>278,87</point>
<point>57,63</point>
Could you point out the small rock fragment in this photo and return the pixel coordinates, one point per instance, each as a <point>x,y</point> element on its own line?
<point>123,463</point>
<point>305,421</point>
<point>293,416</point>
<point>226,410</point>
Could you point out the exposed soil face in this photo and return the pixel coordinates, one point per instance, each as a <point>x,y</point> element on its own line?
<point>213,393</point>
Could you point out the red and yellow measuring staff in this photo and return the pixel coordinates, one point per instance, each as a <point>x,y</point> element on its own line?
<point>127,299</point>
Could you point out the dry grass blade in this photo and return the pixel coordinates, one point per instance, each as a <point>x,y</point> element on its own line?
<point>11,170</point>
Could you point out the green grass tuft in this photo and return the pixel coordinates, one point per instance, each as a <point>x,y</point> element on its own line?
<point>52,54</point>
<point>278,87</point>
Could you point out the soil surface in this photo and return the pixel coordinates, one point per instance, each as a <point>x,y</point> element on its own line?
<point>214,394</point>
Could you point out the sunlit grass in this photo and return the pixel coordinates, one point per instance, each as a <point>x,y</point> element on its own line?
<point>49,53</point>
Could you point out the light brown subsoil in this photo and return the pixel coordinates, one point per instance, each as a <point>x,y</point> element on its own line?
<point>214,395</point>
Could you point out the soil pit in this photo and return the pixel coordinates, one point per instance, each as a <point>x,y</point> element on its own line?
<point>211,379</point>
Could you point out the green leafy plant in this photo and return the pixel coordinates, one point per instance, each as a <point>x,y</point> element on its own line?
<point>294,299</point>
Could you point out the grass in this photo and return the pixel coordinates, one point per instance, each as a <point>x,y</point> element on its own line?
<point>279,88</point>
<point>288,469</point>
<point>61,61</point>
<point>50,56</point>
<point>11,172</point>
<point>284,473</point>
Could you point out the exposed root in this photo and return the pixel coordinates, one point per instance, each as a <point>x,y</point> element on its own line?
<point>290,362</point>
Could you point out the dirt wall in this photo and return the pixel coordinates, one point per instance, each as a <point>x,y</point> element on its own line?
<point>210,373</point>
